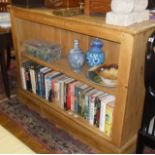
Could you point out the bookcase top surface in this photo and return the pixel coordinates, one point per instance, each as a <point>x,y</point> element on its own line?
<point>98,21</point>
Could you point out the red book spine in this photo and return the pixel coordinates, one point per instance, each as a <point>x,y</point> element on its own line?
<point>69,96</point>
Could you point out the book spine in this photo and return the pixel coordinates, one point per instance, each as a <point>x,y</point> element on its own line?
<point>108,119</point>
<point>23,78</point>
<point>69,96</point>
<point>97,111</point>
<point>91,109</point>
<point>87,107</point>
<point>65,95</point>
<point>104,101</point>
<point>27,78</point>
<point>72,97</point>
<point>39,84</point>
<point>33,80</point>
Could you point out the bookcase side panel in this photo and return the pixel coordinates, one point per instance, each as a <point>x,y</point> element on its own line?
<point>136,90</point>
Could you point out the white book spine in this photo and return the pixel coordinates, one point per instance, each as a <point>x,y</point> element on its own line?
<point>46,88</point>
<point>23,78</point>
<point>33,80</point>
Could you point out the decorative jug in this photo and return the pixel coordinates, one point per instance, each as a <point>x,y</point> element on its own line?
<point>95,55</point>
<point>76,57</point>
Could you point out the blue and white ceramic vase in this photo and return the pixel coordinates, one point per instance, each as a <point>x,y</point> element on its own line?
<point>76,57</point>
<point>95,55</point>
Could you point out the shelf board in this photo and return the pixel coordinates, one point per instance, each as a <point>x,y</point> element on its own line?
<point>63,63</point>
<point>74,118</point>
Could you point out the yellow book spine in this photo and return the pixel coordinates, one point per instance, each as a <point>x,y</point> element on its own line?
<point>109,118</point>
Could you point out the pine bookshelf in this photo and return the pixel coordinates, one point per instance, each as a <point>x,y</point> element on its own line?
<point>124,46</point>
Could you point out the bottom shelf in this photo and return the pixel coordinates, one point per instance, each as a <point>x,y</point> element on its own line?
<point>75,126</point>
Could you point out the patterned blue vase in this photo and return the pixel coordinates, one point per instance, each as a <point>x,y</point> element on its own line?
<point>76,57</point>
<point>95,55</point>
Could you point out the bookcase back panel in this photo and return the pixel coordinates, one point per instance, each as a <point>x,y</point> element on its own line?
<point>30,30</point>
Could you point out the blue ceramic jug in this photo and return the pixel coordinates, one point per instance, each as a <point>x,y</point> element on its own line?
<point>95,55</point>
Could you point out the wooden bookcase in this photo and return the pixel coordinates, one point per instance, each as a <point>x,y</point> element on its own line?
<point>123,46</point>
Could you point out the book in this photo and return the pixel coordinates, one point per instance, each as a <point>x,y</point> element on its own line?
<point>72,94</point>
<point>87,103</point>
<point>83,102</point>
<point>43,73</point>
<point>39,80</point>
<point>27,79</point>
<point>47,86</point>
<point>69,94</point>
<point>97,109</point>
<point>80,89</point>
<point>66,89</point>
<point>76,93</point>
<point>23,80</point>
<point>104,101</point>
<point>37,70</point>
<point>56,88</point>
<point>63,91</point>
<point>33,77</point>
<point>48,83</point>
<point>92,99</point>
<point>109,117</point>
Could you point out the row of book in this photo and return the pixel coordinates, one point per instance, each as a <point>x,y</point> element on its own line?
<point>69,94</point>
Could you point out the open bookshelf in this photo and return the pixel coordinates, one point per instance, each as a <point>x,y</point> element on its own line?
<point>122,46</point>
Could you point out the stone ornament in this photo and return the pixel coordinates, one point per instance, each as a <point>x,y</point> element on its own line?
<point>122,6</point>
<point>127,12</point>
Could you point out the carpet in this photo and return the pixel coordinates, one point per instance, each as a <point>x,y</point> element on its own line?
<point>50,135</point>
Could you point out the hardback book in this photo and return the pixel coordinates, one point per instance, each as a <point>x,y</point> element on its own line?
<point>109,117</point>
<point>48,70</point>
<point>33,76</point>
<point>27,78</point>
<point>80,90</point>
<point>39,81</point>
<point>72,94</point>
<point>82,101</point>
<point>37,70</point>
<point>66,84</point>
<point>92,99</point>
<point>69,94</point>
<point>48,88</point>
<point>104,101</point>
<point>23,77</point>
<point>54,84</point>
<point>56,88</point>
<point>87,103</point>
<point>97,109</point>
<point>63,91</point>
<point>76,92</point>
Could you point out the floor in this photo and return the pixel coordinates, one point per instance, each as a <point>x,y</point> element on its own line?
<point>10,144</point>
<point>14,140</point>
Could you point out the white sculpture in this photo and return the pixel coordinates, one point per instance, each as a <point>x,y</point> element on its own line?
<point>122,6</point>
<point>127,12</point>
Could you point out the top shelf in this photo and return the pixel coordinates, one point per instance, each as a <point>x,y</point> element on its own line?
<point>97,25</point>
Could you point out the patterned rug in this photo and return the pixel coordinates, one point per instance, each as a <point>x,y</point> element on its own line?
<point>50,135</point>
